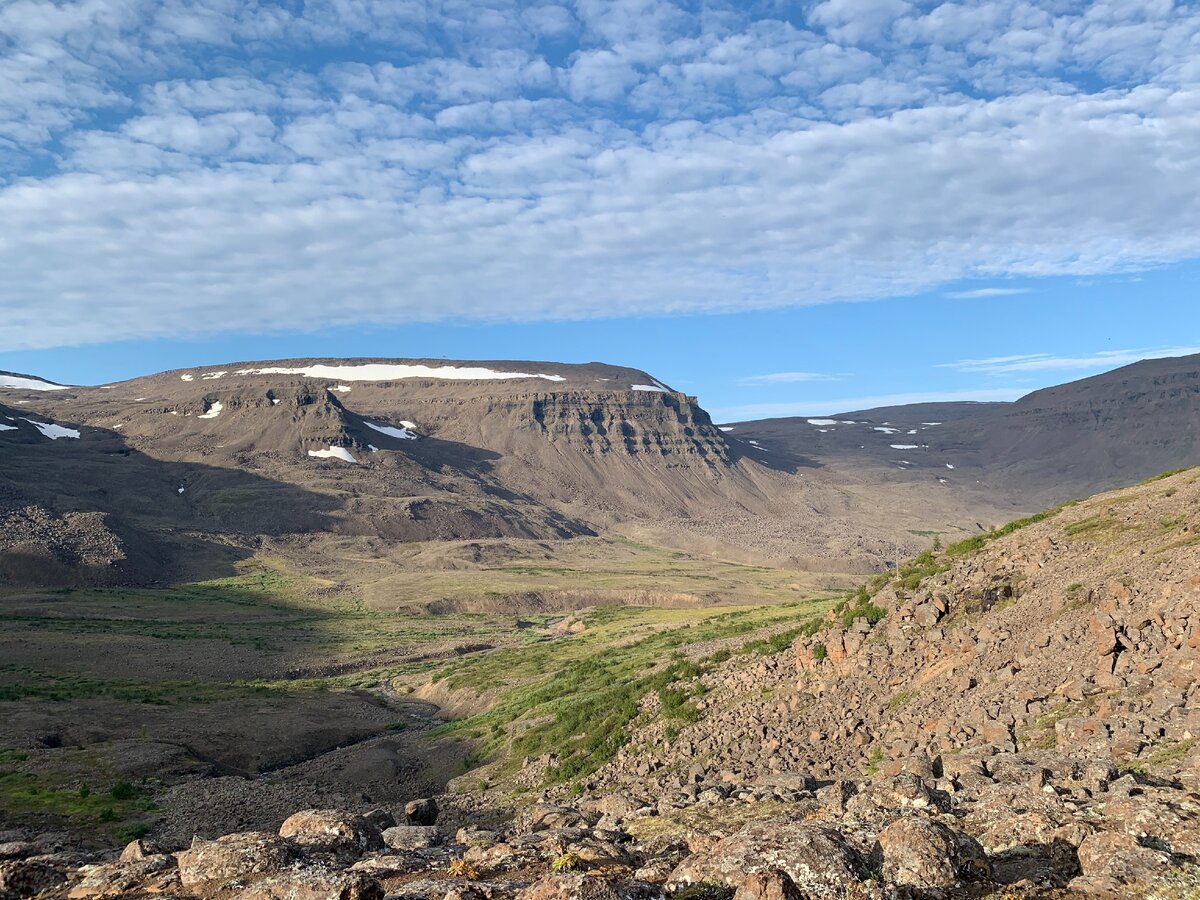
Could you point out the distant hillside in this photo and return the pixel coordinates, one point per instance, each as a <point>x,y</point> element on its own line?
<point>1052,445</point>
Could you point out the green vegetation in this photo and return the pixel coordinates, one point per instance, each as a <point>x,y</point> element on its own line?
<point>875,760</point>
<point>917,569</point>
<point>819,652</point>
<point>576,697</point>
<point>976,542</point>
<point>859,606</point>
<point>24,793</point>
<point>1164,475</point>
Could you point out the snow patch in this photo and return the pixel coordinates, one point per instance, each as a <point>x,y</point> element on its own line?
<point>334,453</point>
<point>52,431</point>
<point>948,466</point>
<point>274,402</point>
<point>342,388</point>
<point>213,411</point>
<point>725,428</point>
<point>822,421</point>
<point>930,424</point>
<point>187,377</point>
<point>8,427</point>
<point>213,376</point>
<point>909,446</point>
<point>402,433</point>
<point>180,489</point>
<point>886,430</point>
<point>648,387</point>
<point>394,372</point>
<point>17,383</point>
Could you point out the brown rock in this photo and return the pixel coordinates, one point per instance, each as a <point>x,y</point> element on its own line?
<point>571,887</point>
<point>333,831</point>
<point>768,886</point>
<point>923,853</point>
<point>816,859</point>
<point>28,877</point>
<point>247,854</point>
<point>1110,860</point>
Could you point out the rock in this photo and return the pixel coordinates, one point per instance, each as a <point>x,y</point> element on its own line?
<point>314,884</point>
<point>412,837</point>
<point>247,854</point>
<point>768,886</point>
<point>332,831</point>
<point>421,812</point>
<point>140,849</point>
<point>153,873</point>
<point>28,877</point>
<point>380,818</point>
<point>546,816</point>
<point>571,887</point>
<point>816,859</point>
<point>923,853</point>
<point>1111,861</point>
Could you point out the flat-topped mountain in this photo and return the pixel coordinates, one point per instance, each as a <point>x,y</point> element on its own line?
<point>1051,445</point>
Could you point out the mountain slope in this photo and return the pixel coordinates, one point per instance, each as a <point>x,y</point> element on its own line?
<point>1049,446</point>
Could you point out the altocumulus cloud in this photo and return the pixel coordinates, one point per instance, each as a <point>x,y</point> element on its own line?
<point>170,167</point>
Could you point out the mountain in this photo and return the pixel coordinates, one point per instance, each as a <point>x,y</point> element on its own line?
<point>1051,445</point>
<point>1016,715</point>
<point>304,458</point>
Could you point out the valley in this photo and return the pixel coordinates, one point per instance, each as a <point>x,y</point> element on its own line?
<point>609,636</point>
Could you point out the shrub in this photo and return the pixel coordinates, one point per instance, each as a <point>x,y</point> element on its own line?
<point>819,652</point>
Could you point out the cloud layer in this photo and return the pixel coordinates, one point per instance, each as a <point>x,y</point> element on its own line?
<point>179,168</point>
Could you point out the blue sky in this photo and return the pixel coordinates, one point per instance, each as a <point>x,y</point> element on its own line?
<point>780,207</point>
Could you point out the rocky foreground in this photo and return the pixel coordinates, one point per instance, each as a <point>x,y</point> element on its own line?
<point>1015,717</point>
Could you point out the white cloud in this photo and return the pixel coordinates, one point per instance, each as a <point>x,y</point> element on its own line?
<point>853,404</point>
<point>985,293</point>
<point>784,378</point>
<point>1045,362</point>
<point>182,168</point>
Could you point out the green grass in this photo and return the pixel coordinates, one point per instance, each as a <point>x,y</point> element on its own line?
<point>976,542</point>
<point>917,569</point>
<point>23,793</point>
<point>577,696</point>
<point>1164,475</point>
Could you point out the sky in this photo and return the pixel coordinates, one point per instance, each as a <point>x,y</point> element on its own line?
<point>780,207</point>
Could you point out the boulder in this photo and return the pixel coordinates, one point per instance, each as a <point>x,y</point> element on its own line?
<point>412,837</point>
<point>28,877</point>
<point>1113,862</point>
<point>247,854</point>
<point>153,873</point>
<point>818,860</point>
<point>571,887</point>
<point>922,853</point>
<point>421,812</point>
<point>313,883</point>
<point>768,886</point>
<point>331,831</point>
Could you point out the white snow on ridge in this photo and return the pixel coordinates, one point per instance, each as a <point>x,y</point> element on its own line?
<point>53,431</point>
<point>186,377</point>
<point>822,421</point>
<point>8,427</point>
<point>930,424</point>
<point>395,372</point>
<point>725,428</point>
<point>342,388</point>
<point>648,387</point>
<point>213,411</point>
<point>17,383</point>
<point>886,430</point>
<point>334,453</point>
<point>909,446</point>
<point>402,433</point>
<point>213,376</point>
